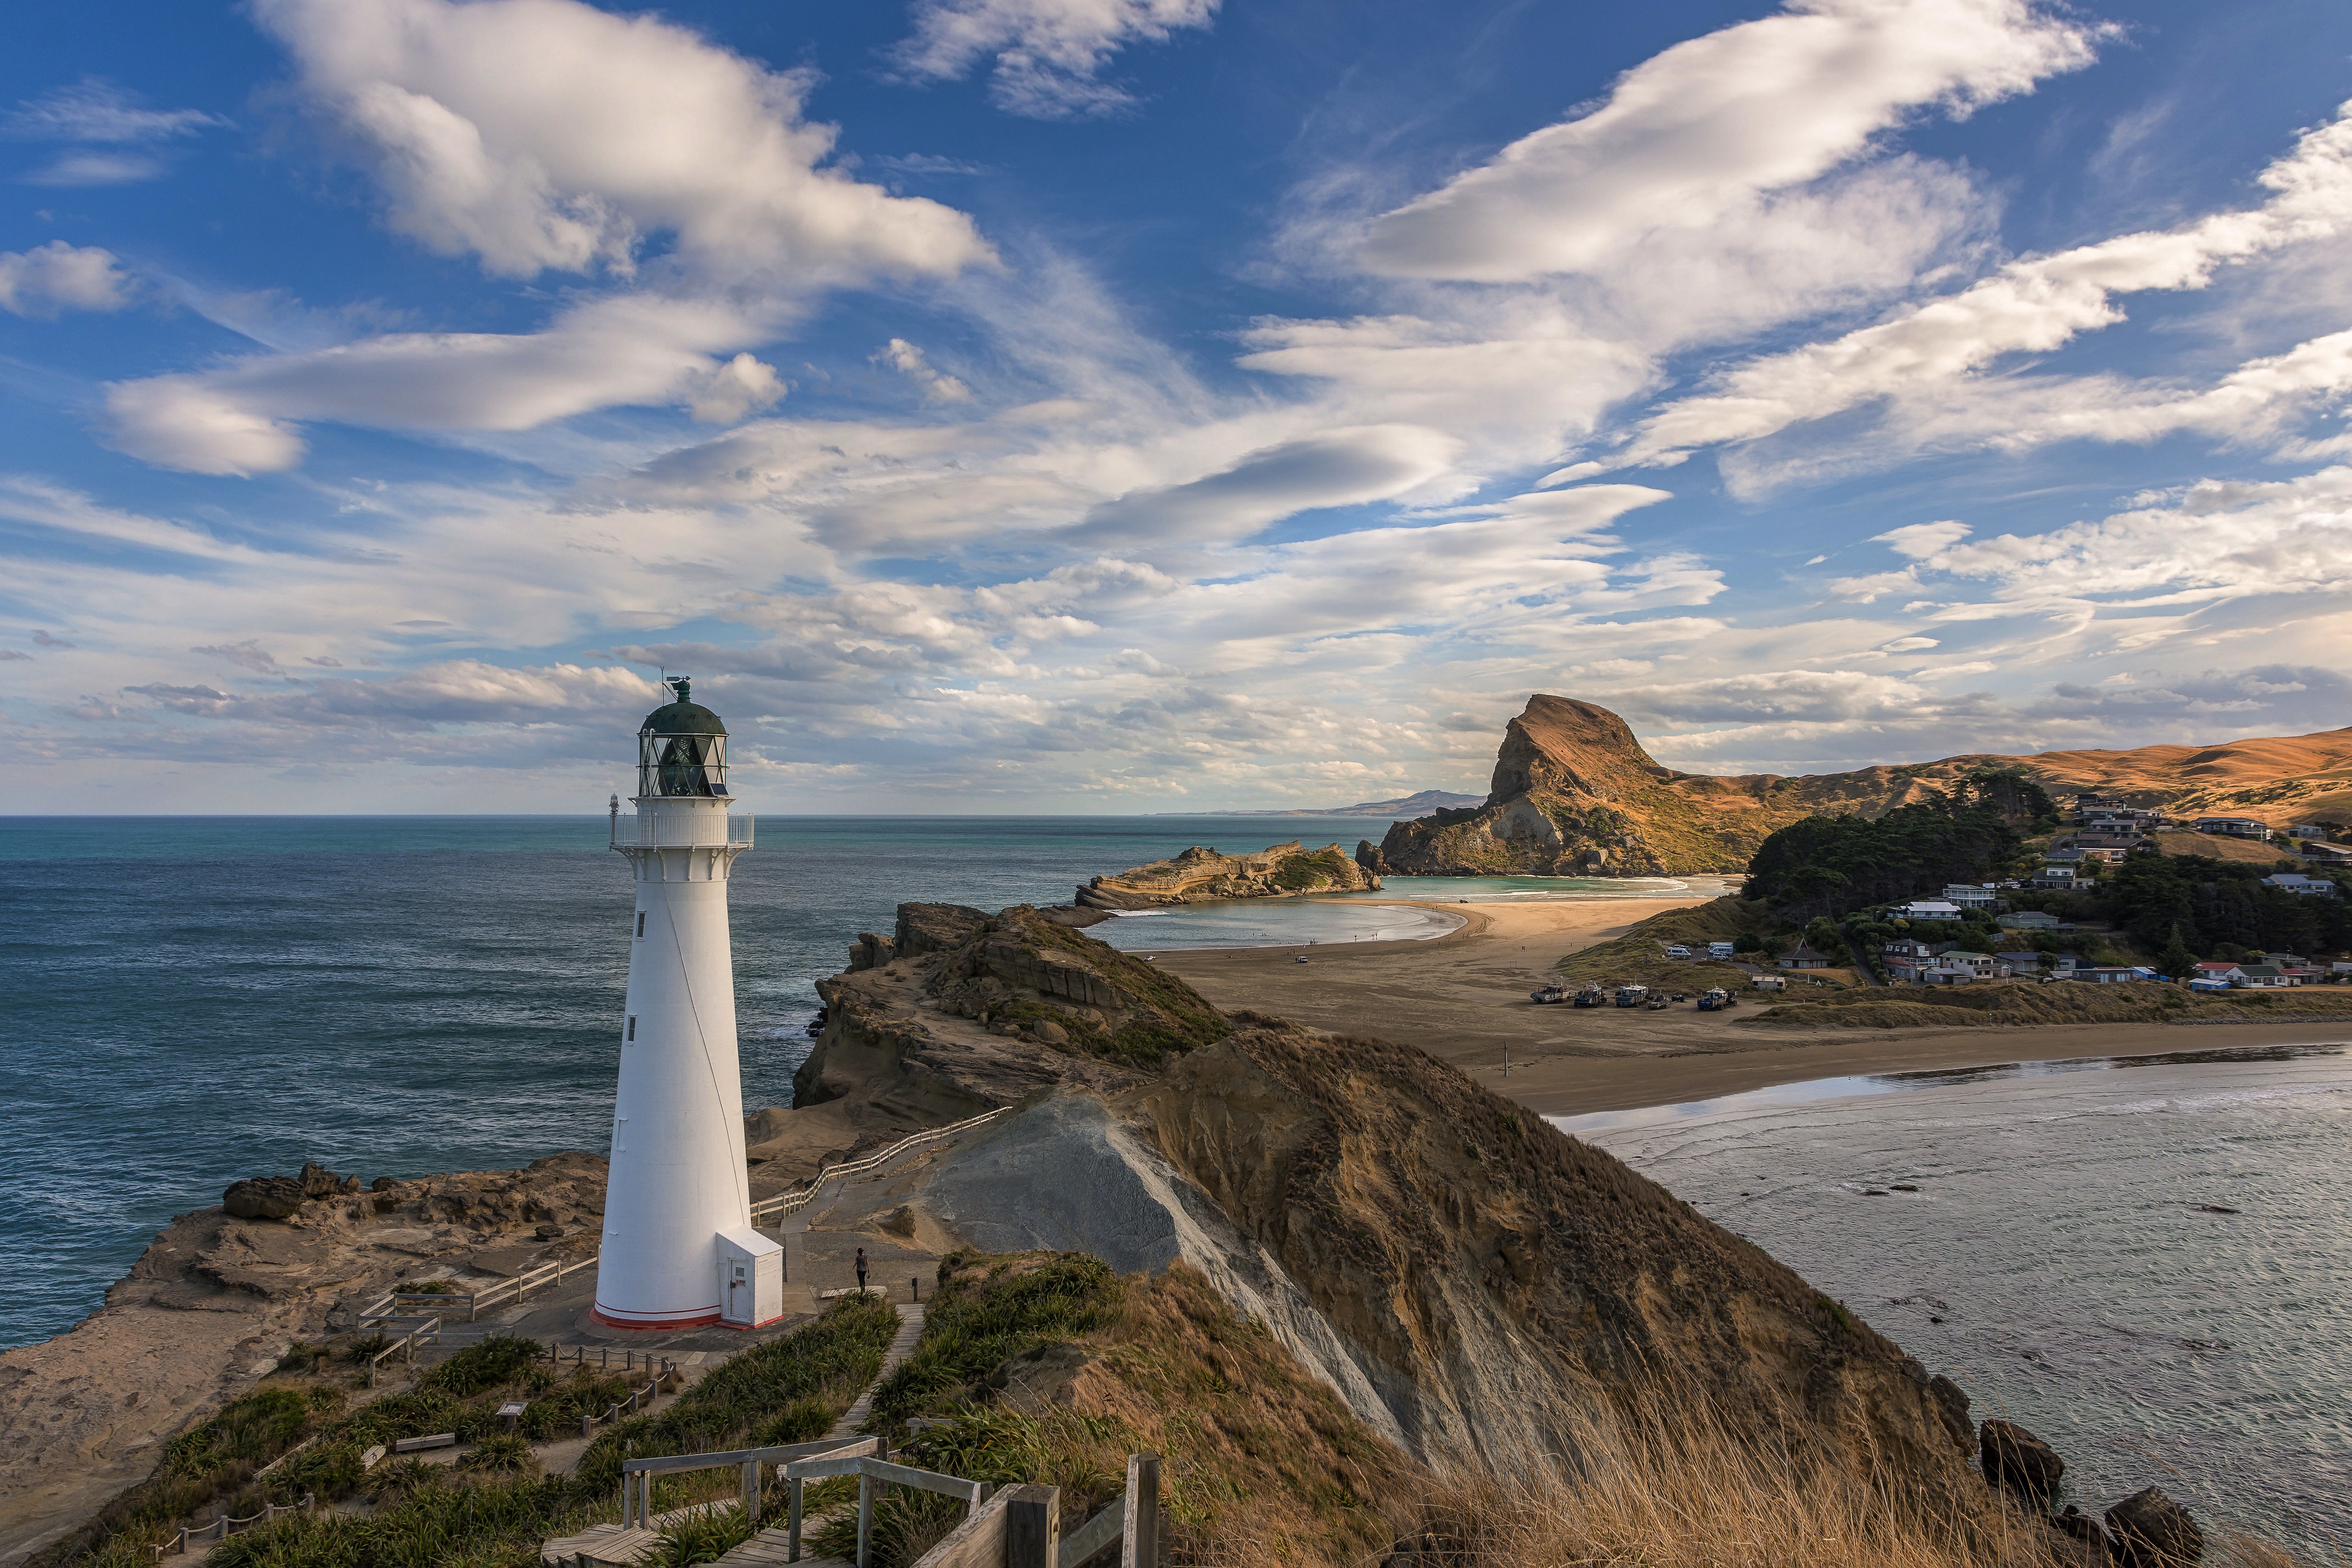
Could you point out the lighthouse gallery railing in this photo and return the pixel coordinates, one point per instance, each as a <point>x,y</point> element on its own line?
<point>684,830</point>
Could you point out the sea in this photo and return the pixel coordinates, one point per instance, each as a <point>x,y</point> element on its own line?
<point>2144,1261</point>
<point>187,1001</point>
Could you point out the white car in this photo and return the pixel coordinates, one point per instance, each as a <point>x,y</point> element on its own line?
<point>1679,951</point>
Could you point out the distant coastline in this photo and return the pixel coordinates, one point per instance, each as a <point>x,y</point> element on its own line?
<point>1425,803</point>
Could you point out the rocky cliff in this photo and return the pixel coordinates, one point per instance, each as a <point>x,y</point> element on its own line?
<point>1473,1284</point>
<point>1574,793</point>
<point>1198,876</point>
<point>958,1012</point>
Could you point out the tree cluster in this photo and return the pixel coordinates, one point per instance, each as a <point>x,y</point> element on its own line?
<point>2214,904</point>
<point>1831,865</point>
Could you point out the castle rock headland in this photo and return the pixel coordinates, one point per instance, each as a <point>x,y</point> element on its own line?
<point>1574,793</point>
<point>1199,876</point>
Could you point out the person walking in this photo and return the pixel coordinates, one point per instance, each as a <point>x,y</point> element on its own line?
<point>861,1270</point>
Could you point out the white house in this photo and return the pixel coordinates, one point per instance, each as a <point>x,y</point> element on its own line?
<point>2261,977</point>
<point>2226,974</point>
<point>2296,882</point>
<point>2308,831</point>
<point>2233,827</point>
<point>1930,909</point>
<point>1956,968</point>
<point>1968,895</point>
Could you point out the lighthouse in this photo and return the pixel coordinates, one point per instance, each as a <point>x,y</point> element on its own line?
<point>678,1249</point>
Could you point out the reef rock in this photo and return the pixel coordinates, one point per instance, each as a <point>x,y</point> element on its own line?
<point>1199,875</point>
<point>2018,1462</point>
<point>2152,1530</point>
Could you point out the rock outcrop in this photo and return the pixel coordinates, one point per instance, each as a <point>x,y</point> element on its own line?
<point>1199,876</point>
<point>959,1012</point>
<point>2018,1462</point>
<point>220,1294</point>
<point>1574,793</point>
<point>2152,1530</point>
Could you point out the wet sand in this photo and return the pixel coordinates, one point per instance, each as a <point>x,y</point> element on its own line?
<point>1463,998</point>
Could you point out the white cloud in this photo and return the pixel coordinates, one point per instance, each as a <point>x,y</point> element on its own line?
<point>1919,540</point>
<point>57,277</point>
<point>629,349</point>
<point>1698,133</point>
<point>1046,56</point>
<point>96,109</point>
<point>909,360</point>
<point>735,388</point>
<point>2036,305</point>
<point>541,134</point>
<point>2220,540</point>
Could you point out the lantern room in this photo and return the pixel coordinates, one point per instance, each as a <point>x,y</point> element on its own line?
<point>682,748</point>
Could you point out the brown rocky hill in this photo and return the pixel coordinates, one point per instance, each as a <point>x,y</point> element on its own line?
<point>1513,1291</point>
<point>1574,792</point>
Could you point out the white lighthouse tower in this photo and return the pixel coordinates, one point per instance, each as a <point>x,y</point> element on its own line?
<point>678,1247</point>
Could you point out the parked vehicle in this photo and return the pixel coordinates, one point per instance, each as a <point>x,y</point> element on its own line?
<point>1549,994</point>
<point>1714,1001</point>
<point>1591,996</point>
<point>1679,951</point>
<point>1632,995</point>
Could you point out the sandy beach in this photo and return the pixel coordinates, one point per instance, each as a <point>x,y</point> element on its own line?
<point>1464,998</point>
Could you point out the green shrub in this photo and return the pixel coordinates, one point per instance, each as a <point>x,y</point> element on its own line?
<point>499,1359</point>
<point>501,1454</point>
<point>706,1537</point>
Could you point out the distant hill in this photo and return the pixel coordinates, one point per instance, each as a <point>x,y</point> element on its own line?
<point>1419,805</point>
<point>1574,791</point>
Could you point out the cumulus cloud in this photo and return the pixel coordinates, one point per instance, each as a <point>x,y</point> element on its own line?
<point>546,134</point>
<point>1700,132</point>
<point>1045,56</point>
<point>57,277</point>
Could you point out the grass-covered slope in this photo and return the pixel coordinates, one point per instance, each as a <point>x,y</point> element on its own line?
<point>1048,1367</point>
<point>1637,956</point>
<point>493,1507</point>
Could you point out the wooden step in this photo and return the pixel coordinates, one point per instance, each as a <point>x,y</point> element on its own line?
<point>599,1546</point>
<point>773,1549</point>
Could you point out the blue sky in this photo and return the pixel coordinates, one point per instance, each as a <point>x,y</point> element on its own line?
<point>1156,404</point>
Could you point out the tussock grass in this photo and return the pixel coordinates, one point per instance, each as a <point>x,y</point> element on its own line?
<point>492,1512</point>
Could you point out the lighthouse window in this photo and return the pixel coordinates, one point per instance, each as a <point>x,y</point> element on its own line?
<point>641,922</point>
<point>633,1029</point>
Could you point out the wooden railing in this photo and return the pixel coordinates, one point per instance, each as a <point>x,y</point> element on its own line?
<point>870,1469</point>
<point>637,1475</point>
<point>769,1210</point>
<point>1021,1527</point>
<point>222,1527</point>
